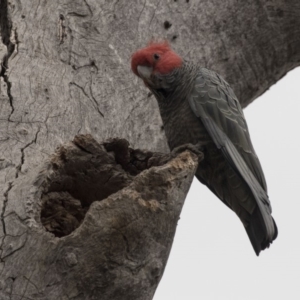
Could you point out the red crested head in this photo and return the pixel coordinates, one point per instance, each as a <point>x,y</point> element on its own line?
<point>157,57</point>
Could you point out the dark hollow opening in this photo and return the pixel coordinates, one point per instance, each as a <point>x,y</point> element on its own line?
<point>86,171</point>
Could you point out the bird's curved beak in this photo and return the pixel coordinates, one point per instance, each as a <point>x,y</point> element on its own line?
<point>145,72</point>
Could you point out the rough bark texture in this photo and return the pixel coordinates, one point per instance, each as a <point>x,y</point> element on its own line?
<point>107,236</point>
<point>65,70</point>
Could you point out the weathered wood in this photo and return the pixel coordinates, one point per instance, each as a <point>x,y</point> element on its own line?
<point>85,228</point>
<point>65,70</point>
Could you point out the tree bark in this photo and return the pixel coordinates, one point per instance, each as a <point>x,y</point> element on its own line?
<point>66,233</point>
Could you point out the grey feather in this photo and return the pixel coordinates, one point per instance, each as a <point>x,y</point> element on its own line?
<point>213,101</point>
<point>199,106</point>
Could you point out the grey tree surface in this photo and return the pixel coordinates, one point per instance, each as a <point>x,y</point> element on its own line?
<point>65,72</point>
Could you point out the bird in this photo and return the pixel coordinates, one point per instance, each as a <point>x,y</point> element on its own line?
<point>199,108</point>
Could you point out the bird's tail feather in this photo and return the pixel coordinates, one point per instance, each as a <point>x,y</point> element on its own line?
<point>257,232</point>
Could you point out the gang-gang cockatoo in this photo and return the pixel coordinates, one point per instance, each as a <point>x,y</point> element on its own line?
<point>199,107</point>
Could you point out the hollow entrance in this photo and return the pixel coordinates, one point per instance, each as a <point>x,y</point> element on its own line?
<point>85,171</point>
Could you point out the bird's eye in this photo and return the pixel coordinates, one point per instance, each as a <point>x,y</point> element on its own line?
<point>156,56</point>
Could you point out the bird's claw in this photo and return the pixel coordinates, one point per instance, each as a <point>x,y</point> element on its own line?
<point>194,148</point>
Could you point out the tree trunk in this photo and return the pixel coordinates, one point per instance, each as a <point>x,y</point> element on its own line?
<point>90,221</point>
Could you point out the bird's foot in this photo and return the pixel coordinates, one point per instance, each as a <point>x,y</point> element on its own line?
<point>197,149</point>
<point>159,159</point>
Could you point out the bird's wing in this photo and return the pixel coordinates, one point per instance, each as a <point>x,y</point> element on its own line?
<point>214,102</point>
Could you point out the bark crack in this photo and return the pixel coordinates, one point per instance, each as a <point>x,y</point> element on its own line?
<point>5,194</point>
<point>70,47</point>
<point>154,12</point>
<point>61,29</point>
<point>88,6</point>
<point>27,283</point>
<point>17,249</point>
<point>6,32</point>
<point>19,167</point>
<point>91,98</point>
